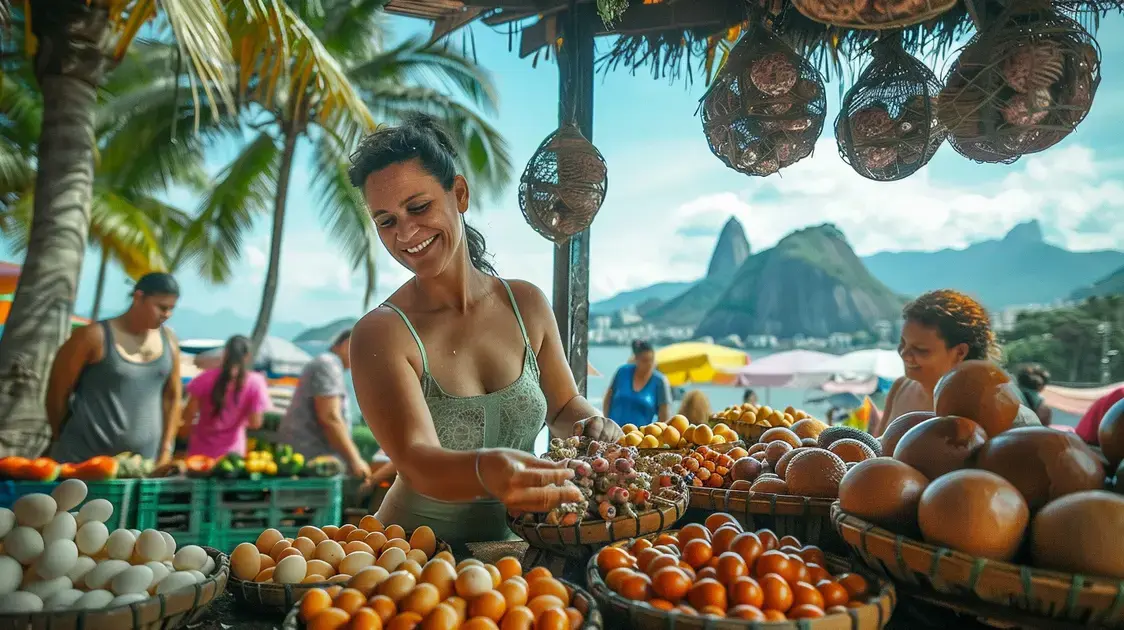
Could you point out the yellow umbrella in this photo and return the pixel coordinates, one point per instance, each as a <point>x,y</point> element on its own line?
<point>695,362</point>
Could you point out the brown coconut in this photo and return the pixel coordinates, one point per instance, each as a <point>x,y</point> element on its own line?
<point>1080,533</point>
<point>1043,463</point>
<point>979,390</point>
<point>1110,434</point>
<point>940,445</point>
<point>898,428</point>
<point>974,511</point>
<point>883,491</point>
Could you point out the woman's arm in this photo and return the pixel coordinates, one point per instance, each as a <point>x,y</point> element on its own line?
<point>386,373</point>
<point>663,398</point>
<point>607,400</point>
<point>887,415</point>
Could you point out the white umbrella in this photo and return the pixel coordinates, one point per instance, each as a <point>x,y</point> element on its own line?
<point>783,369</point>
<point>865,364</point>
<point>277,356</point>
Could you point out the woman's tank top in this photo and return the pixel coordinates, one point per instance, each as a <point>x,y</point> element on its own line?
<point>509,418</point>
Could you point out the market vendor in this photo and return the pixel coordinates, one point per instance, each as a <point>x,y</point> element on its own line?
<point>638,394</point>
<point>224,402</point>
<point>457,372</point>
<point>115,385</point>
<point>940,330</point>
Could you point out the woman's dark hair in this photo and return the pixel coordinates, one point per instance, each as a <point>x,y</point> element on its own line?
<point>749,393</point>
<point>341,337</point>
<point>958,319</point>
<point>419,137</point>
<point>157,283</point>
<point>1033,377</point>
<point>640,346</point>
<point>233,370</point>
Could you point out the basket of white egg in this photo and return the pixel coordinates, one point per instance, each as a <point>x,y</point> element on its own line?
<point>66,570</point>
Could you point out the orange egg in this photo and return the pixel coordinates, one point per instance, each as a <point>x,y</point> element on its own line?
<point>697,552</point>
<point>497,577</point>
<point>514,593</point>
<point>358,545</point>
<point>686,610</point>
<point>518,618</point>
<point>266,562</point>
<point>383,606</point>
<point>798,571</point>
<point>365,619</point>
<point>278,547</point>
<point>460,606</point>
<point>305,546</point>
<point>790,541</point>
<point>405,621</point>
<point>615,579</point>
<point>422,600</point>
<point>609,558</point>
<point>671,583</point>
<point>349,600</point>
<point>394,531</point>
<point>552,619</point>
<point>748,546</point>
<point>333,590</point>
<point>804,593</point>
<point>375,540</point>
<point>722,539</point>
<point>342,532</point>
<point>396,542</point>
<point>357,535</point>
<point>545,602</point>
<point>835,610</point>
<point>665,539</point>
<point>644,558</point>
<point>636,587</point>
<point>313,602</point>
<point>370,523</point>
<point>509,566</point>
<point>672,550</point>
<point>855,584</point>
<point>718,519</point>
<point>665,560</point>
<point>812,553</point>
<point>265,575</point>
<point>749,613</point>
<point>328,619</point>
<point>707,573</point>
<point>712,611</point>
<point>816,573</point>
<point>833,593</point>
<point>730,567</point>
<point>778,594</point>
<point>491,604</point>
<point>575,617</point>
<point>443,617</point>
<point>745,591</point>
<point>440,574</point>
<point>772,562</point>
<point>329,531</point>
<point>537,572</point>
<point>707,592</point>
<point>774,615</point>
<point>547,586</point>
<point>768,539</point>
<point>661,604</point>
<point>692,532</point>
<point>639,545</point>
<point>805,611</point>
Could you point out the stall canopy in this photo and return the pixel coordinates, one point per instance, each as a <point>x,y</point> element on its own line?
<point>783,369</point>
<point>6,308</point>
<point>695,362</point>
<point>9,277</point>
<point>1075,400</point>
<point>862,365</point>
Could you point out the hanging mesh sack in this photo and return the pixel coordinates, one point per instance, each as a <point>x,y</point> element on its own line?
<point>564,185</point>
<point>888,127</point>
<point>1020,86</point>
<point>872,14</point>
<point>765,108</point>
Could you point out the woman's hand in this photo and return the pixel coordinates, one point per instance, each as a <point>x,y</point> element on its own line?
<point>598,428</point>
<point>525,483</point>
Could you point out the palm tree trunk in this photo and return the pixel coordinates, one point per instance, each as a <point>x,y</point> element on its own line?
<point>99,288</point>
<point>69,65</point>
<point>273,272</point>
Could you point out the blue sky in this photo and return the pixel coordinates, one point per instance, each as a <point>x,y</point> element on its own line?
<point>668,196</point>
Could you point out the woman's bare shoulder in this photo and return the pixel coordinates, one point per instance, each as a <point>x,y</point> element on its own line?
<point>380,330</point>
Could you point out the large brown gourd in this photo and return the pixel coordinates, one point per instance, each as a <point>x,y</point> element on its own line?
<point>899,427</point>
<point>1080,533</point>
<point>976,512</point>
<point>1043,463</point>
<point>940,445</point>
<point>1110,433</point>
<point>883,491</point>
<point>981,391</point>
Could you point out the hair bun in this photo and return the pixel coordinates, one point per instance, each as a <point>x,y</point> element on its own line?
<point>426,123</point>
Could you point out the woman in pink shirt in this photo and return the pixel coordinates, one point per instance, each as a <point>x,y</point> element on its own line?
<point>227,400</point>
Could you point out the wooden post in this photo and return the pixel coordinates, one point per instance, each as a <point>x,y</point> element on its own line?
<point>571,259</point>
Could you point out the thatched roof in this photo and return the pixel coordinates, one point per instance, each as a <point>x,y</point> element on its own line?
<point>680,38</point>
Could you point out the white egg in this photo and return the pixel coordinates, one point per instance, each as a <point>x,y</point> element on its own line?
<point>94,600</point>
<point>102,574</point>
<point>208,566</point>
<point>11,574</point>
<point>191,557</point>
<point>128,598</point>
<point>120,544</point>
<point>91,537</point>
<point>290,570</point>
<point>99,510</point>
<point>24,544</point>
<point>135,532</point>
<point>131,580</point>
<point>175,582</point>
<point>151,545</point>
<point>84,565</point>
<point>198,575</point>
<point>20,602</point>
<point>62,600</point>
<point>35,510</point>
<point>46,588</point>
<point>62,527</point>
<point>355,562</point>
<point>69,494</point>
<point>171,544</point>
<point>58,559</point>
<point>159,572</point>
<point>7,521</point>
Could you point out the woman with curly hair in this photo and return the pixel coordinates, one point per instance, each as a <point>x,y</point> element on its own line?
<point>695,407</point>
<point>940,330</point>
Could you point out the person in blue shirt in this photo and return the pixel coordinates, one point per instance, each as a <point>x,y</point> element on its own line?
<point>638,394</point>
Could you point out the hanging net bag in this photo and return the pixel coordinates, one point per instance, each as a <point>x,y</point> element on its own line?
<point>872,14</point>
<point>766,108</point>
<point>564,185</point>
<point>888,127</point>
<point>1020,86</point>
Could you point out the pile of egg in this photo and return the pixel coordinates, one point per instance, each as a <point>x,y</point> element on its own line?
<point>54,559</point>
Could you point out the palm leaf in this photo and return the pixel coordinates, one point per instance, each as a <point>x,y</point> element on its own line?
<point>412,64</point>
<point>128,231</point>
<point>349,29</point>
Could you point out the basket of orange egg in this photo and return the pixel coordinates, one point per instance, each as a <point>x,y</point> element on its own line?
<point>717,575</point>
<point>470,595</point>
<point>274,573</point>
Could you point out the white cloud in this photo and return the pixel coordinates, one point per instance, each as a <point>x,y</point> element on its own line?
<point>256,258</point>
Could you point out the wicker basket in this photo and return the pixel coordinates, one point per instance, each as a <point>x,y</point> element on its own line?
<point>279,598</point>
<point>564,185</point>
<point>749,433</point>
<point>621,612</point>
<point>1089,600</point>
<point>160,612</point>
<point>843,13</point>
<point>806,518</point>
<point>582,539</point>
<point>583,601</point>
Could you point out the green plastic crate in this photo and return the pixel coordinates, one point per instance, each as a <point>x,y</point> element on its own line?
<point>119,492</point>
<point>242,508</point>
<point>177,506</point>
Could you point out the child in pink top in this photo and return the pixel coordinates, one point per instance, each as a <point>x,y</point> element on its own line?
<point>227,400</point>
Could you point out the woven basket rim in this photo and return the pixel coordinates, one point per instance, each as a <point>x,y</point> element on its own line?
<point>761,502</point>
<point>603,595</point>
<point>220,573</point>
<point>1028,577</point>
<point>687,450</point>
<point>888,25</point>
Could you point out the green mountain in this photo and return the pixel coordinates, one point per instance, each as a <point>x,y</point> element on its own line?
<point>1019,269</point>
<point>633,299</point>
<point>1112,284</point>
<point>325,333</point>
<point>810,283</point>
<point>689,307</point>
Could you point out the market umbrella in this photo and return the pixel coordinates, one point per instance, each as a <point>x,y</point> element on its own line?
<point>6,309</point>
<point>864,364</point>
<point>277,357</point>
<point>9,277</point>
<point>783,369</point>
<point>695,362</point>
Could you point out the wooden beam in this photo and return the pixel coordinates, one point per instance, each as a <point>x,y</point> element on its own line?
<point>444,25</point>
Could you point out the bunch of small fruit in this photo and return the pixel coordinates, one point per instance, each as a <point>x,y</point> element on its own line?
<point>764,415</point>
<point>802,460</point>
<point>444,595</point>
<point>720,570</point>
<point>332,554</point>
<point>55,559</point>
<point>707,468</point>
<point>678,432</point>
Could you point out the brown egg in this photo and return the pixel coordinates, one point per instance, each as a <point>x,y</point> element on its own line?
<point>1110,434</point>
<point>940,445</point>
<point>421,600</point>
<point>1080,533</point>
<point>974,511</point>
<point>979,390</point>
<point>442,575</point>
<point>424,539</point>
<point>1043,463</point>
<point>305,546</point>
<point>900,425</point>
<point>394,531</point>
<point>883,491</point>
<point>442,617</point>
<point>397,585</point>
<point>367,580</point>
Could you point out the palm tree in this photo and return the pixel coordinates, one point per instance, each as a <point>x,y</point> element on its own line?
<point>69,46</point>
<point>334,82</point>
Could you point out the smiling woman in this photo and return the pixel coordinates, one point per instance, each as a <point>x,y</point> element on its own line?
<point>459,370</point>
